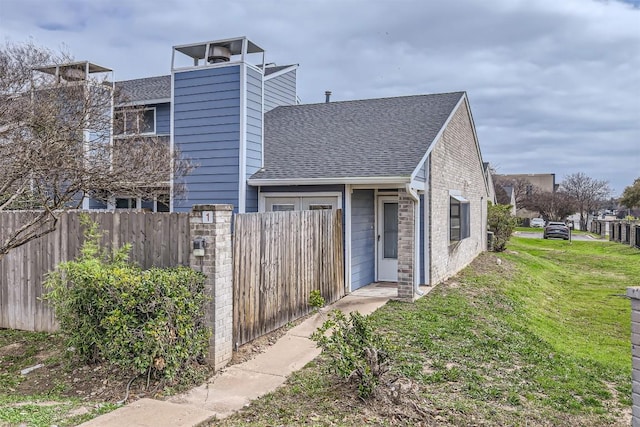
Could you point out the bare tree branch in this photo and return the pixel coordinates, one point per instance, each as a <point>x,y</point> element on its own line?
<point>57,142</point>
<point>589,194</point>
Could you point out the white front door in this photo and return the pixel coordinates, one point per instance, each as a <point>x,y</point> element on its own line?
<point>387,238</point>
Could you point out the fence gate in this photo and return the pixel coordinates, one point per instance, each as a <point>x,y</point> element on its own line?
<point>279,258</point>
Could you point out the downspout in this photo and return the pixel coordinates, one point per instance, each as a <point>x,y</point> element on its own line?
<point>416,218</point>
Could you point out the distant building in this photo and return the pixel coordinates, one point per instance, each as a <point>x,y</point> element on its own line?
<point>518,186</point>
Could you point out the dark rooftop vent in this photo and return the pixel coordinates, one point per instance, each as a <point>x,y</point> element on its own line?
<point>327,95</point>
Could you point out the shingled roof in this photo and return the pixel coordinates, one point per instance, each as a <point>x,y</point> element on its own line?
<point>274,69</point>
<point>384,137</point>
<point>147,89</point>
<point>155,88</point>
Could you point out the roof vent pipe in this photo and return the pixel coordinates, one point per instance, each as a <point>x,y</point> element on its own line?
<point>327,95</point>
<point>218,54</point>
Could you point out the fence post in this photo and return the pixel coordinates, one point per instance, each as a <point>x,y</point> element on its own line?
<point>634,295</point>
<point>212,223</point>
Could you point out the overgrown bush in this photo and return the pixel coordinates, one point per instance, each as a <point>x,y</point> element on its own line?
<point>354,350</point>
<point>502,224</point>
<point>144,320</point>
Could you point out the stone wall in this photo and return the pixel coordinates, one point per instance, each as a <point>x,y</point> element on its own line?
<point>456,166</point>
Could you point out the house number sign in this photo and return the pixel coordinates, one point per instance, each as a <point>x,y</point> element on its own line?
<point>207,217</point>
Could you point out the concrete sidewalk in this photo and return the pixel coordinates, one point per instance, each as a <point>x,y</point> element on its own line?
<point>236,386</point>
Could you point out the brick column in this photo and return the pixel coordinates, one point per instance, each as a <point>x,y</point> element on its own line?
<point>634,295</point>
<point>213,223</point>
<point>406,246</point>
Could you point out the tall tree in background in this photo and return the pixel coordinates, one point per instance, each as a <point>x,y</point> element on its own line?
<point>56,144</point>
<point>554,206</point>
<point>589,193</point>
<point>631,195</point>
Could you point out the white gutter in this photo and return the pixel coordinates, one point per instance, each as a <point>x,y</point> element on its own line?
<point>416,237</point>
<point>378,180</point>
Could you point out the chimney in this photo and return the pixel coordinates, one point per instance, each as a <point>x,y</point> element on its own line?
<point>327,95</point>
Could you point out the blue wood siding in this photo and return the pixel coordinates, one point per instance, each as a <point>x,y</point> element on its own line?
<point>280,90</point>
<point>253,139</point>
<point>362,238</point>
<point>207,130</point>
<point>163,118</point>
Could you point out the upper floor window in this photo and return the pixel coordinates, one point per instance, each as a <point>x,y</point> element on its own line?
<point>459,219</point>
<point>136,121</point>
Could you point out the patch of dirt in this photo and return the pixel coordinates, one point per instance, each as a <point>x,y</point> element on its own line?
<point>251,349</point>
<point>101,382</point>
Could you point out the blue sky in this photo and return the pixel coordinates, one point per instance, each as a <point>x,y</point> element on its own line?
<point>554,86</point>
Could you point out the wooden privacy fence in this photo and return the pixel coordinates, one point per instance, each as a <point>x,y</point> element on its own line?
<point>279,258</point>
<point>157,239</point>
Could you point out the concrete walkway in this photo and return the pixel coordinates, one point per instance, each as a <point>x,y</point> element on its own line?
<point>236,386</point>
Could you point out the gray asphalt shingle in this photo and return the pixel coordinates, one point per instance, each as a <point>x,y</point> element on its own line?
<point>147,89</point>
<point>384,137</point>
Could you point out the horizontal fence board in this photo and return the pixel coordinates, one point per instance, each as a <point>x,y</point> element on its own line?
<point>279,258</point>
<point>158,239</point>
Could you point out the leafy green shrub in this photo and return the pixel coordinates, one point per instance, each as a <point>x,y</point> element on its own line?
<point>502,224</point>
<point>354,351</point>
<point>144,320</point>
<point>316,300</point>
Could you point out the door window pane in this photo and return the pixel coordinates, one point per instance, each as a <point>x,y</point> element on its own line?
<point>390,230</point>
<point>282,208</point>
<point>319,207</point>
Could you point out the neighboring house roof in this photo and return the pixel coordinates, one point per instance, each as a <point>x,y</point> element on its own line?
<point>386,137</point>
<point>272,70</point>
<point>504,194</point>
<point>145,90</point>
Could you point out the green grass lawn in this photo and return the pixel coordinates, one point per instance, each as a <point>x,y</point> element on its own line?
<point>541,338</point>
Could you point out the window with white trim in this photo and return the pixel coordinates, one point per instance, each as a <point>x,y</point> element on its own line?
<point>283,207</point>
<point>459,219</point>
<point>297,202</point>
<point>137,121</point>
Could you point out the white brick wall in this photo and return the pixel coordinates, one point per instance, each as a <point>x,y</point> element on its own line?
<point>455,165</point>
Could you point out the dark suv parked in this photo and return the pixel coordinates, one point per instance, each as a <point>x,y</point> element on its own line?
<point>556,230</point>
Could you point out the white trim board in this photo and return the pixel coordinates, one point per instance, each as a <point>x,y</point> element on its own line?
<point>262,197</point>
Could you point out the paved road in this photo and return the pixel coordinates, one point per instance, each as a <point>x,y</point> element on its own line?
<point>538,235</point>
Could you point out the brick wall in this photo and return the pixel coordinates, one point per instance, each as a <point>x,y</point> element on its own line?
<point>406,246</point>
<point>634,295</point>
<point>455,165</point>
<point>213,224</point>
